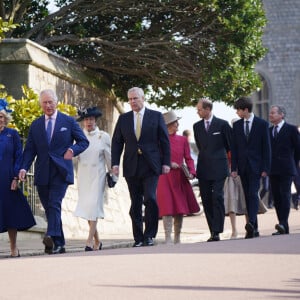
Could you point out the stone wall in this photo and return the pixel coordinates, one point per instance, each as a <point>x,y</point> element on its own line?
<point>25,62</point>
<point>281,66</point>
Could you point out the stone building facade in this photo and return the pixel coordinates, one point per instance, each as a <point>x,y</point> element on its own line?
<point>280,68</point>
<point>25,62</point>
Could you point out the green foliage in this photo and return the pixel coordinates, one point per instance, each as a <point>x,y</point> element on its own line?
<point>24,111</point>
<point>27,109</point>
<point>27,15</point>
<point>67,109</point>
<point>6,26</point>
<point>178,50</point>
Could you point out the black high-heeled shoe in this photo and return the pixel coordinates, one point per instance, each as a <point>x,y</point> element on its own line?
<point>100,246</point>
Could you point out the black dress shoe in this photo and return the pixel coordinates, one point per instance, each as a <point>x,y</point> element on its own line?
<point>59,250</point>
<point>280,228</point>
<point>250,231</point>
<point>149,242</point>
<point>276,233</point>
<point>87,248</point>
<point>256,233</point>
<point>137,244</point>
<point>48,242</point>
<point>214,238</point>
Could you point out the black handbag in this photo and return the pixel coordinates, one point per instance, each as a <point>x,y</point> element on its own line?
<point>110,182</point>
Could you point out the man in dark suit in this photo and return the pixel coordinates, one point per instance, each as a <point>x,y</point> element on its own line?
<point>285,144</point>
<point>296,195</point>
<point>251,157</point>
<point>147,155</point>
<point>296,181</point>
<point>213,140</point>
<point>51,141</point>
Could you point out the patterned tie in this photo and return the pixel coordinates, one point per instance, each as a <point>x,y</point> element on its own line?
<point>49,130</point>
<point>247,130</point>
<point>138,126</point>
<point>275,131</point>
<point>207,126</point>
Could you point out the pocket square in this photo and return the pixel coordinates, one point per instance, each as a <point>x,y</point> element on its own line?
<point>217,132</point>
<point>63,129</point>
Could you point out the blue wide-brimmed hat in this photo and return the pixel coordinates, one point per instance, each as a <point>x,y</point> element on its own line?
<point>89,112</point>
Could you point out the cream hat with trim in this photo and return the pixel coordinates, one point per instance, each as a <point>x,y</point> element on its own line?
<point>170,117</point>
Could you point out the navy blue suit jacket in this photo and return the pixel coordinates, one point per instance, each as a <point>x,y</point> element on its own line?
<point>254,153</point>
<point>212,163</point>
<point>65,132</point>
<point>154,142</point>
<point>285,150</point>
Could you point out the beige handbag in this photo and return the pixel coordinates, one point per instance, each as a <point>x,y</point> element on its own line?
<point>186,171</point>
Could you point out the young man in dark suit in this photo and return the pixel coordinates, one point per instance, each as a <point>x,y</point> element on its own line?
<point>250,158</point>
<point>53,139</point>
<point>285,144</point>
<point>144,135</point>
<point>213,139</point>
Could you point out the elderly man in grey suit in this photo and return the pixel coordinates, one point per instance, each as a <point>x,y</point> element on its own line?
<point>213,139</point>
<point>147,155</point>
<point>285,145</point>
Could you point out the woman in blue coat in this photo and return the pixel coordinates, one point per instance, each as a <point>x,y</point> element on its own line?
<point>15,212</point>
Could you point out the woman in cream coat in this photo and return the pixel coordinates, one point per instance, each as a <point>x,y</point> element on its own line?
<point>92,166</point>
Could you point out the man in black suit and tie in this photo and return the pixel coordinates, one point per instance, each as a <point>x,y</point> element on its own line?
<point>285,144</point>
<point>147,155</point>
<point>250,158</point>
<point>213,139</point>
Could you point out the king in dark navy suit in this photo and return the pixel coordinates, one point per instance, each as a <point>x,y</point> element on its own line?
<point>285,144</point>
<point>53,140</point>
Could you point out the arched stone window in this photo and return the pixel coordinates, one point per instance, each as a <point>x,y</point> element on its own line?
<point>261,100</point>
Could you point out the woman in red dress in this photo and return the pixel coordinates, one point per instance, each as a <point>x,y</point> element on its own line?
<point>175,196</point>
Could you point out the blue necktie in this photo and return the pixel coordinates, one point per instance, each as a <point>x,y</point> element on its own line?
<point>49,130</point>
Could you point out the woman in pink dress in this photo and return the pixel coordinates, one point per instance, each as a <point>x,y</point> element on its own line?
<point>175,196</point>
